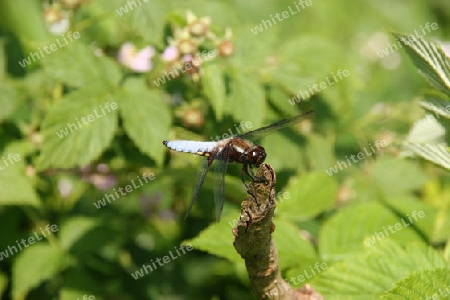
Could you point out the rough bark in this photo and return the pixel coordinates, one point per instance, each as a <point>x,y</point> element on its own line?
<point>253,241</point>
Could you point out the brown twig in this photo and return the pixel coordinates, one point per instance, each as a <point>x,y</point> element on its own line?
<point>253,241</point>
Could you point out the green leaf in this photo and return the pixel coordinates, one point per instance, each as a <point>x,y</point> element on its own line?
<point>217,239</point>
<point>429,58</point>
<point>310,195</point>
<point>149,21</point>
<point>279,98</point>
<point>3,63</point>
<point>298,276</point>
<point>427,130</point>
<point>426,138</point>
<point>426,284</point>
<point>16,188</point>
<point>435,153</point>
<point>288,77</point>
<point>214,88</point>
<point>246,58</point>
<point>247,98</point>
<point>33,266</point>
<point>78,128</point>
<point>276,146</point>
<point>76,65</point>
<point>146,118</point>
<point>305,60</point>
<point>442,225</point>
<point>293,250</point>
<point>360,187</point>
<point>321,152</point>
<point>75,228</point>
<point>95,239</point>
<point>447,250</point>
<point>8,99</point>
<point>361,226</point>
<point>69,293</point>
<point>304,52</point>
<point>3,284</point>
<point>287,140</point>
<point>144,17</point>
<point>438,106</point>
<point>78,282</point>
<point>369,275</point>
<point>386,172</point>
<point>407,206</point>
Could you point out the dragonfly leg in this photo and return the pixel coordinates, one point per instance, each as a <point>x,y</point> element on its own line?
<point>245,171</point>
<point>252,174</point>
<point>254,197</point>
<point>256,178</point>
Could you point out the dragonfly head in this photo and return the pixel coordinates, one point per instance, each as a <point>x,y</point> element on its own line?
<point>256,156</point>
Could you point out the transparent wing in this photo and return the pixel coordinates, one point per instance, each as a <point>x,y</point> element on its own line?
<point>266,130</point>
<point>201,175</point>
<point>220,170</point>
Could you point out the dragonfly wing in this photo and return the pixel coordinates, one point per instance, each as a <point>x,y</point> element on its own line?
<point>201,175</point>
<point>266,130</point>
<point>220,171</point>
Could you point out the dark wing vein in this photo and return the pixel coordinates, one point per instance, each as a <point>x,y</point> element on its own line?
<point>220,171</point>
<point>201,175</point>
<point>266,130</point>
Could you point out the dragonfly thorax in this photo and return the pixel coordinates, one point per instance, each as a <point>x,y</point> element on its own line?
<point>242,151</point>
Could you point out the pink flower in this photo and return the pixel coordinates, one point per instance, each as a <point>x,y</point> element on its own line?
<point>171,53</point>
<point>187,58</point>
<point>103,182</point>
<point>65,187</point>
<point>138,61</point>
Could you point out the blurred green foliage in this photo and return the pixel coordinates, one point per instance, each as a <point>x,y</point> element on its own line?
<point>321,217</point>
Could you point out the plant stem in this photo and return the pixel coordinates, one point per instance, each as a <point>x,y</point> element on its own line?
<point>253,241</point>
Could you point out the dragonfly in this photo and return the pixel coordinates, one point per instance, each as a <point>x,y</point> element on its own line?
<point>236,149</point>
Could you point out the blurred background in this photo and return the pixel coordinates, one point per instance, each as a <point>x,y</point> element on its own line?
<point>64,60</point>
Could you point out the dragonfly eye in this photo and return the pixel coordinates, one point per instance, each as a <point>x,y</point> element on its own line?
<point>258,155</point>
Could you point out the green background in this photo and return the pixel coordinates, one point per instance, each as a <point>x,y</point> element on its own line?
<point>325,219</point>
